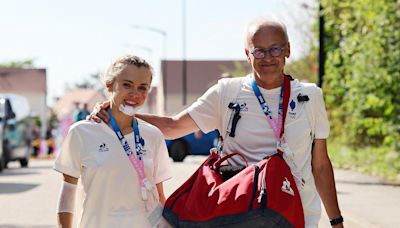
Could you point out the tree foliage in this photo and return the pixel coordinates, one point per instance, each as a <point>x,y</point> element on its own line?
<point>362,81</point>
<point>240,68</point>
<point>92,82</point>
<point>305,68</point>
<point>29,63</point>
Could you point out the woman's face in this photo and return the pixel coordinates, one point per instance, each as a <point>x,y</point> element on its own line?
<point>130,87</point>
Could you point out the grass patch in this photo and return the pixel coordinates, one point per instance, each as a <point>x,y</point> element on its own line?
<point>383,162</point>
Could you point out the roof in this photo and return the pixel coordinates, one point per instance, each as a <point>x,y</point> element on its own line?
<point>201,74</point>
<point>27,80</point>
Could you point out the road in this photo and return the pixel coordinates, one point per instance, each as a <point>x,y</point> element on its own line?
<point>28,196</point>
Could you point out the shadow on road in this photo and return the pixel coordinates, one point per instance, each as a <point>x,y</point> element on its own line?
<point>19,173</point>
<point>8,188</point>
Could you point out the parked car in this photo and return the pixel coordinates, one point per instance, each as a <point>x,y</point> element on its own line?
<point>192,144</point>
<point>15,134</point>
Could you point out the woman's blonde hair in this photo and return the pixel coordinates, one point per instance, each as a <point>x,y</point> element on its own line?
<point>119,65</point>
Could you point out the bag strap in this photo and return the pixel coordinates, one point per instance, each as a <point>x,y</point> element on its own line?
<point>286,97</point>
<point>218,163</point>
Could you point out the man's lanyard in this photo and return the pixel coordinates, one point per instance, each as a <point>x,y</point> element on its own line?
<point>137,163</point>
<point>278,125</point>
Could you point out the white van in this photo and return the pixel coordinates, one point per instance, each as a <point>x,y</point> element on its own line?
<point>15,131</point>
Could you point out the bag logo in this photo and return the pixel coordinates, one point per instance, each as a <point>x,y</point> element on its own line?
<point>286,187</point>
<point>212,190</point>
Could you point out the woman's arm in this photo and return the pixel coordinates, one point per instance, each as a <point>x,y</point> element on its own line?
<point>66,202</point>
<point>160,190</point>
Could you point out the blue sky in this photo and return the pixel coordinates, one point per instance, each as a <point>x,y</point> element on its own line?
<point>73,39</point>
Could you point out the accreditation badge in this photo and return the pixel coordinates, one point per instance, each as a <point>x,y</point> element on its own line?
<point>155,215</point>
<point>288,155</point>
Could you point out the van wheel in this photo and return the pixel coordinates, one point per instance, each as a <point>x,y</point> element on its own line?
<point>178,151</point>
<point>24,162</point>
<point>2,163</point>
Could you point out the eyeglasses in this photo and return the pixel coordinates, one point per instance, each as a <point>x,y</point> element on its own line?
<point>260,53</point>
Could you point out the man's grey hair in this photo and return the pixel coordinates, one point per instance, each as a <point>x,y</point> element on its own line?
<point>254,25</point>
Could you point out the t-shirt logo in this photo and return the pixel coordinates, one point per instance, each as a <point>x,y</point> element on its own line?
<point>103,148</point>
<point>292,106</point>
<point>243,107</point>
<point>140,146</point>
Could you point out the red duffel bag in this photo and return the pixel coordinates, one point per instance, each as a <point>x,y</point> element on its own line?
<point>260,195</point>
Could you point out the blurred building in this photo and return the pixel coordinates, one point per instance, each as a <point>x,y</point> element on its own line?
<point>29,83</point>
<point>66,105</point>
<point>199,77</point>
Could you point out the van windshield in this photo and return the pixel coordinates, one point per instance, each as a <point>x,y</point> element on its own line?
<point>2,112</point>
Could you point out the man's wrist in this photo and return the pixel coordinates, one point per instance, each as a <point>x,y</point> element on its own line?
<point>336,221</point>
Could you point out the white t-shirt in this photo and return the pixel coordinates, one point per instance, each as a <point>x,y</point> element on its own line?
<point>255,138</point>
<point>111,190</point>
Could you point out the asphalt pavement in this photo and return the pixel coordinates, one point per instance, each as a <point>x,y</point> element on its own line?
<point>28,196</point>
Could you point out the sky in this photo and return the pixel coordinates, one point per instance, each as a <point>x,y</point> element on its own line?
<point>74,39</point>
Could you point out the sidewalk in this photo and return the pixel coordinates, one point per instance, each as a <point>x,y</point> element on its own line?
<point>365,201</point>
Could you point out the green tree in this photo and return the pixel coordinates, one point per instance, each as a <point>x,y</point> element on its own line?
<point>362,78</point>
<point>29,63</point>
<point>92,82</point>
<point>240,68</point>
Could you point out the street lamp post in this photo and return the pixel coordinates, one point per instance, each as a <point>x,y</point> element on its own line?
<point>184,63</point>
<point>144,48</point>
<point>163,69</point>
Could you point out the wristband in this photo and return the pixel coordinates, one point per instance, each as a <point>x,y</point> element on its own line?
<point>336,221</point>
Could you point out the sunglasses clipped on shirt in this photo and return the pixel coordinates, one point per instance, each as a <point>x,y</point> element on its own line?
<point>260,53</point>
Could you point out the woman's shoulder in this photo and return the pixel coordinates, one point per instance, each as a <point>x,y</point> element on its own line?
<point>85,126</point>
<point>148,127</point>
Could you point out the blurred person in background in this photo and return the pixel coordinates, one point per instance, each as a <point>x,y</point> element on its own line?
<point>82,112</point>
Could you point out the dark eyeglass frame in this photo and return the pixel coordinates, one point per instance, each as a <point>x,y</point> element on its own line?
<point>260,53</point>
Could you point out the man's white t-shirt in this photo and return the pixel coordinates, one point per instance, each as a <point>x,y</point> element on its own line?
<point>111,190</point>
<point>254,137</point>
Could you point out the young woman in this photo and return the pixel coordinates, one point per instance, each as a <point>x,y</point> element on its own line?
<point>122,164</point>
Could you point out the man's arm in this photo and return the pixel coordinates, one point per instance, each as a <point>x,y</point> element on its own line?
<point>172,127</point>
<point>324,179</point>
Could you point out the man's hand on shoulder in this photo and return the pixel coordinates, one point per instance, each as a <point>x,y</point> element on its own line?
<point>99,113</point>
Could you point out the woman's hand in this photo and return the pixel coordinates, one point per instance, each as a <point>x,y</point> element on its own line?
<point>99,112</point>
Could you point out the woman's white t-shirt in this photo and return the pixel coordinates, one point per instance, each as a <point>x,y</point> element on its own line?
<point>111,190</point>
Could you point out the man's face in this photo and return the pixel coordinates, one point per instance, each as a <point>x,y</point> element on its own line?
<point>268,37</point>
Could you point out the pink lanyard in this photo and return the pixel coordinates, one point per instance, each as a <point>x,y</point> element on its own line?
<point>137,163</point>
<point>276,125</point>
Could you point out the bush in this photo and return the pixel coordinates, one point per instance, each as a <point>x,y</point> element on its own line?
<point>362,80</point>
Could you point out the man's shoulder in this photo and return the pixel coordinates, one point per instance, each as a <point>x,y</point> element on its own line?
<point>233,79</point>
<point>230,86</point>
<point>305,87</point>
